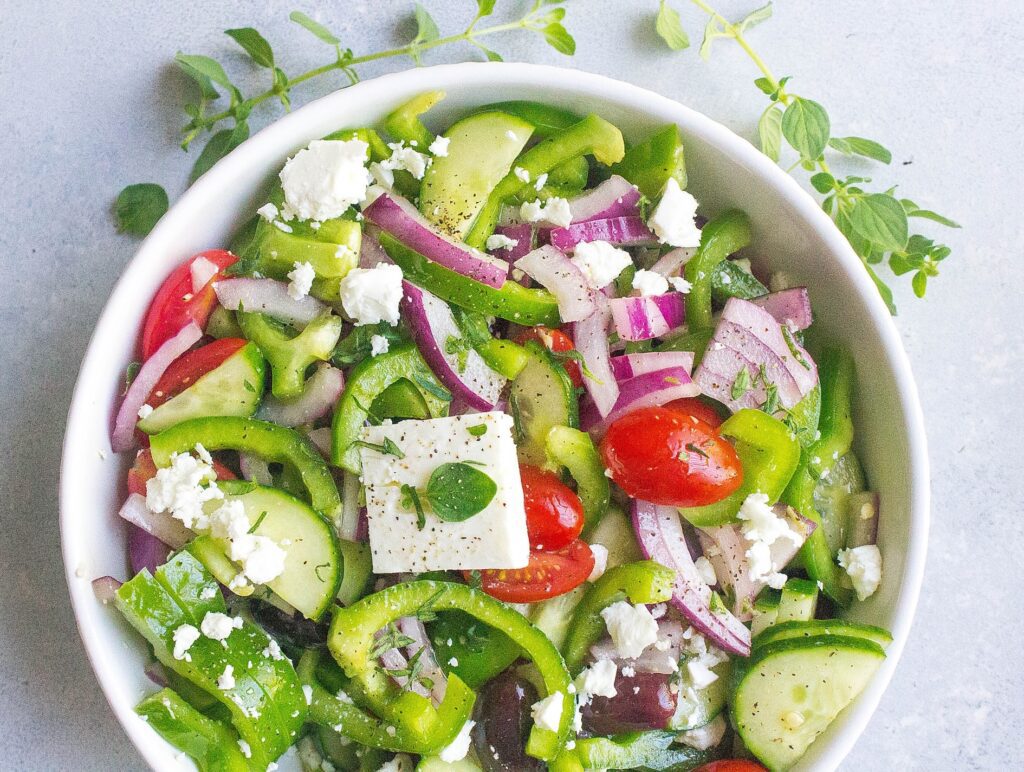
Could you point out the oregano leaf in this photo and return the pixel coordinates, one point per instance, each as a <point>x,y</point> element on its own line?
<point>806,127</point>
<point>883,289</point>
<point>913,210</point>
<point>218,146</point>
<point>879,218</point>
<point>867,148</point>
<point>457,491</point>
<point>211,69</point>
<point>426,27</point>
<point>919,283</point>
<point>823,182</point>
<point>769,131</point>
<point>484,8</point>
<point>315,27</point>
<point>559,38</point>
<point>138,207</point>
<point>254,44</point>
<point>711,31</point>
<point>755,17</point>
<point>670,28</point>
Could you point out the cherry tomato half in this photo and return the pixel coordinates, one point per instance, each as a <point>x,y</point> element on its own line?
<point>190,367</point>
<point>731,765</point>
<point>547,575</point>
<point>144,470</point>
<point>665,457</point>
<point>698,408</point>
<point>558,342</point>
<point>175,304</point>
<point>554,514</point>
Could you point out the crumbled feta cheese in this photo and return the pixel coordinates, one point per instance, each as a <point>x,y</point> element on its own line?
<point>262,559</point>
<point>182,488</point>
<point>540,183</point>
<point>628,671</point>
<point>600,553</point>
<point>704,737</point>
<point>268,212</point>
<point>679,284</point>
<point>706,571</point>
<point>554,211</point>
<point>498,241</point>
<point>300,280</point>
<point>229,521</point>
<point>650,283</point>
<point>406,158</point>
<point>184,637</point>
<point>307,692</point>
<point>632,628</point>
<point>226,680</point>
<point>673,219</point>
<point>203,454</point>
<point>457,749</point>
<point>218,626</point>
<point>323,180</point>
<point>383,177</point>
<point>600,262</point>
<point>521,174</point>
<point>598,680</point>
<point>246,750</point>
<point>283,226</point>
<point>547,713</point>
<point>659,610</point>
<point>864,567</point>
<point>701,659</point>
<point>439,147</point>
<point>378,345</point>
<point>273,650</point>
<point>762,528</point>
<point>145,411</point>
<point>372,295</point>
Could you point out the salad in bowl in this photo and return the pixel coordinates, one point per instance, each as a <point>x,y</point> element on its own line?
<point>488,449</point>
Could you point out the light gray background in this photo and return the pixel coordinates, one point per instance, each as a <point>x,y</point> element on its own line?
<point>89,101</point>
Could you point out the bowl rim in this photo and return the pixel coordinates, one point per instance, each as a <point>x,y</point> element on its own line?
<point>633,97</point>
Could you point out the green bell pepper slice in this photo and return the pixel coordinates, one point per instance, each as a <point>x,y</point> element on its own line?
<point>575,451</point>
<point>642,582</point>
<point>769,453</point>
<point>482,652</point>
<point>650,164</point>
<point>369,379</point>
<point>352,636</point>
<point>404,123</point>
<point>593,135</point>
<point>512,301</point>
<point>692,340</point>
<point>728,280</point>
<point>502,356</point>
<point>400,400</point>
<point>291,355</point>
<point>265,702</point>
<point>638,750</point>
<point>545,119</point>
<point>377,150</point>
<point>722,236</point>
<point>263,439</point>
<point>210,743</point>
<point>836,375</point>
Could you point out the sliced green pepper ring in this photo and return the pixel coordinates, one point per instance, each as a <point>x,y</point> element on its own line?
<point>352,637</point>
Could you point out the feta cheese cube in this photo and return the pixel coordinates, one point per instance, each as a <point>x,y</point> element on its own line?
<point>600,262</point>
<point>496,537</point>
<point>555,211</point>
<point>650,283</point>
<point>323,180</point>
<point>300,280</point>
<point>632,628</point>
<point>372,295</point>
<point>547,713</point>
<point>673,219</point>
<point>864,567</point>
<point>439,147</point>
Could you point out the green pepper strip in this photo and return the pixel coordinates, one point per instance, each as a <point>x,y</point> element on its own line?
<point>815,555</point>
<point>268,441</point>
<point>692,340</point>
<point>836,374</point>
<point>651,163</point>
<point>512,301</point>
<point>404,123</point>
<point>728,280</point>
<point>642,582</point>
<point>353,628</point>
<point>481,652</point>
<point>290,356</point>
<point>351,721</point>
<point>378,149</point>
<point>212,744</point>
<point>575,451</point>
<point>592,135</point>
<point>266,692</point>
<point>365,383</point>
<point>279,251</point>
<point>723,235</point>
<point>638,750</point>
<point>502,356</point>
<point>769,453</point>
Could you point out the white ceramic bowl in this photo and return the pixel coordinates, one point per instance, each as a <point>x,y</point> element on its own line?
<point>790,233</point>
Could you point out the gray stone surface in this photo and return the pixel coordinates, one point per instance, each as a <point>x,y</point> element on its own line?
<point>89,101</point>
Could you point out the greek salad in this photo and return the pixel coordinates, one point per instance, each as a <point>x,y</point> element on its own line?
<point>490,450</point>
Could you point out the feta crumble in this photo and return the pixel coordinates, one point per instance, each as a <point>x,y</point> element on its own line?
<point>498,241</point>
<point>521,174</point>
<point>541,182</point>
<point>632,628</point>
<point>182,488</point>
<point>218,626</point>
<point>439,147</point>
<point>673,219</point>
<point>547,713</point>
<point>457,749</point>
<point>706,571</point>
<point>379,345</point>
<point>679,284</point>
<point>145,411</point>
<point>268,212</point>
<point>555,211</point>
<point>600,553</point>
<point>762,528</point>
<point>705,737</point>
<point>598,680</point>
<point>226,680</point>
<point>246,750</point>
<point>404,157</point>
<point>864,567</point>
<point>261,558</point>
<point>372,295</point>
<point>600,262</point>
<point>650,283</point>
<point>184,636</point>
<point>307,692</point>
<point>324,179</point>
<point>300,280</point>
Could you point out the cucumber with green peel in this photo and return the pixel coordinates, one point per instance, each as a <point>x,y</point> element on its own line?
<point>802,418</point>
<point>789,691</point>
<point>434,764</point>
<point>615,533</point>
<point>819,627</point>
<point>222,324</point>
<point>210,552</point>
<point>798,602</point>
<point>233,388</point>
<point>358,571</point>
<point>554,615</point>
<point>766,609</point>
<point>831,495</point>
<point>697,707</point>
<point>481,150</point>
<point>541,397</point>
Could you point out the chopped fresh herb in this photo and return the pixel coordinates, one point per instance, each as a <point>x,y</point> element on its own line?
<point>411,500</point>
<point>695,449</point>
<point>259,520</point>
<point>129,375</point>
<point>457,491</point>
<point>432,388</point>
<point>771,403</point>
<point>458,348</point>
<point>372,417</point>
<point>319,568</point>
<point>742,384</point>
<point>249,387</point>
<point>387,448</point>
<point>572,355</point>
<point>391,638</point>
<point>475,579</point>
<point>794,348</point>
<point>477,430</point>
<point>426,612</point>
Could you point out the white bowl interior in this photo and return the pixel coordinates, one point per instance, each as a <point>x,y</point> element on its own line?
<point>790,233</point>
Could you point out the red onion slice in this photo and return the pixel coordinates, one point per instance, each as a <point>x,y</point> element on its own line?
<point>400,218</point>
<point>255,469</point>
<point>371,253</point>
<point>267,296</point>
<point>413,628</point>
<point>615,197</point>
<point>796,359</point>
<point>323,439</point>
<point>105,588</point>
<point>460,368</point>
<point>202,270</point>
<point>661,537</point>
<point>790,307</point>
<point>123,437</point>
<point>647,317</point>
<point>628,366</point>
<point>647,390</point>
<point>322,391</point>
<point>557,273</point>
<point>522,234</point>
<point>670,262</point>
<point>164,527</point>
<point>620,231</point>
<point>590,336</point>
<point>145,550</point>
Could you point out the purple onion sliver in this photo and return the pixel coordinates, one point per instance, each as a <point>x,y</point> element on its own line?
<point>651,389</point>
<point>615,197</point>
<point>560,276</point>
<point>619,231</point>
<point>790,307</point>
<point>145,550</point>
<point>105,588</point>
<point>267,296</point>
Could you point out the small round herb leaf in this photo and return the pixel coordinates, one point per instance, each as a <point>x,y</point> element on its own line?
<point>880,219</point>
<point>138,207</point>
<point>458,491</point>
<point>806,127</point>
<point>254,44</point>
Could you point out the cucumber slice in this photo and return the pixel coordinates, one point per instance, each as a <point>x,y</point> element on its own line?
<point>766,609</point>
<point>697,707</point>
<point>819,627</point>
<point>542,396</point>
<point>830,497</point>
<point>554,615</point>
<point>233,388</point>
<point>358,571</point>
<point>210,553</point>
<point>481,151</point>
<point>799,601</point>
<point>790,691</point>
<point>615,533</point>
<point>434,764</point>
<point>313,568</point>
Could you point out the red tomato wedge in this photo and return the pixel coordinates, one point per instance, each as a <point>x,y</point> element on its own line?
<point>144,470</point>
<point>558,342</point>
<point>175,304</point>
<point>554,513</point>
<point>547,575</point>
<point>192,366</point>
<point>666,457</point>
<point>698,408</point>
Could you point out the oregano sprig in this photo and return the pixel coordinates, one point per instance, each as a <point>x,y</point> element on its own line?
<point>875,222</point>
